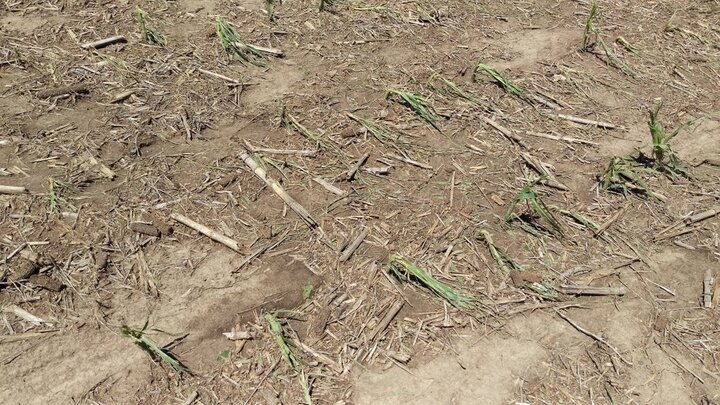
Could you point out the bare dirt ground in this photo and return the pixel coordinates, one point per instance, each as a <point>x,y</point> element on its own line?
<point>94,184</point>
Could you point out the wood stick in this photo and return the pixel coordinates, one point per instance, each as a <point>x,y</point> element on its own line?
<point>296,152</point>
<point>185,119</point>
<point>348,252</point>
<point>59,91</point>
<point>271,51</point>
<point>592,335</point>
<point>609,222</point>
<point>332,364</point>
<point>262,380</point>
<point>122,96</point>
<point>680,232</point>
<point>508,134</point>
<point>389,316</point>
<point>599,124</point>
<point>410,161</point>
<point>214,235</point>
<point>541,168</point>
<point>145,229</point>
<point>590,290</point>
<point>377,171</point>
<point>260,251</point>
<point>353,170</point>
<point>291,202</point>
<point>15,252</point>
<point>560,138</point>
<point>27,316</point>
<point>329,187</point>
<point>12,190</point>
<point>701,216</point>
<point>191,398</point>
<point>104,42</point>
<point>24,336</point>
<point>707,288</point>
<point>219,76</point>
<point>545,102</point>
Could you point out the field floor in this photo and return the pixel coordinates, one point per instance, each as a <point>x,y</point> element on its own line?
<point>376,202</point>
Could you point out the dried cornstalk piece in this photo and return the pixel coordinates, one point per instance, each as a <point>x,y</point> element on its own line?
<point>707,288</point>
<point>104,42</point>
<point>214,235</point>
<point>348,252</point>
<point>61,91</point>
<point>12,190</point>
<point>277,188</point>
<point>590,290</point>
<point>578,120</point>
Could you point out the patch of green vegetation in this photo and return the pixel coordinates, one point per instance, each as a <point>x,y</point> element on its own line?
<point>307,291</point>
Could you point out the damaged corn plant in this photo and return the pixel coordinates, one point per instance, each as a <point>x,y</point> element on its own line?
<point>664,158</point>
<point>505,83</point>
<point>289,121</point>
<point>418,104</point>
<point>592,38</point>
<point>506,264</point>
<point>57,193</point>
<point>382,134</point>
<point>530,197</point>
<point>270,9</point>
<point>447,87</point>
<point>622,176</point>
<point>147,30</point>
<point>139,337</point>
<point>511,268</point>
<point>284,344</point>
<point>236,48</point>
<point>407,271</point>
